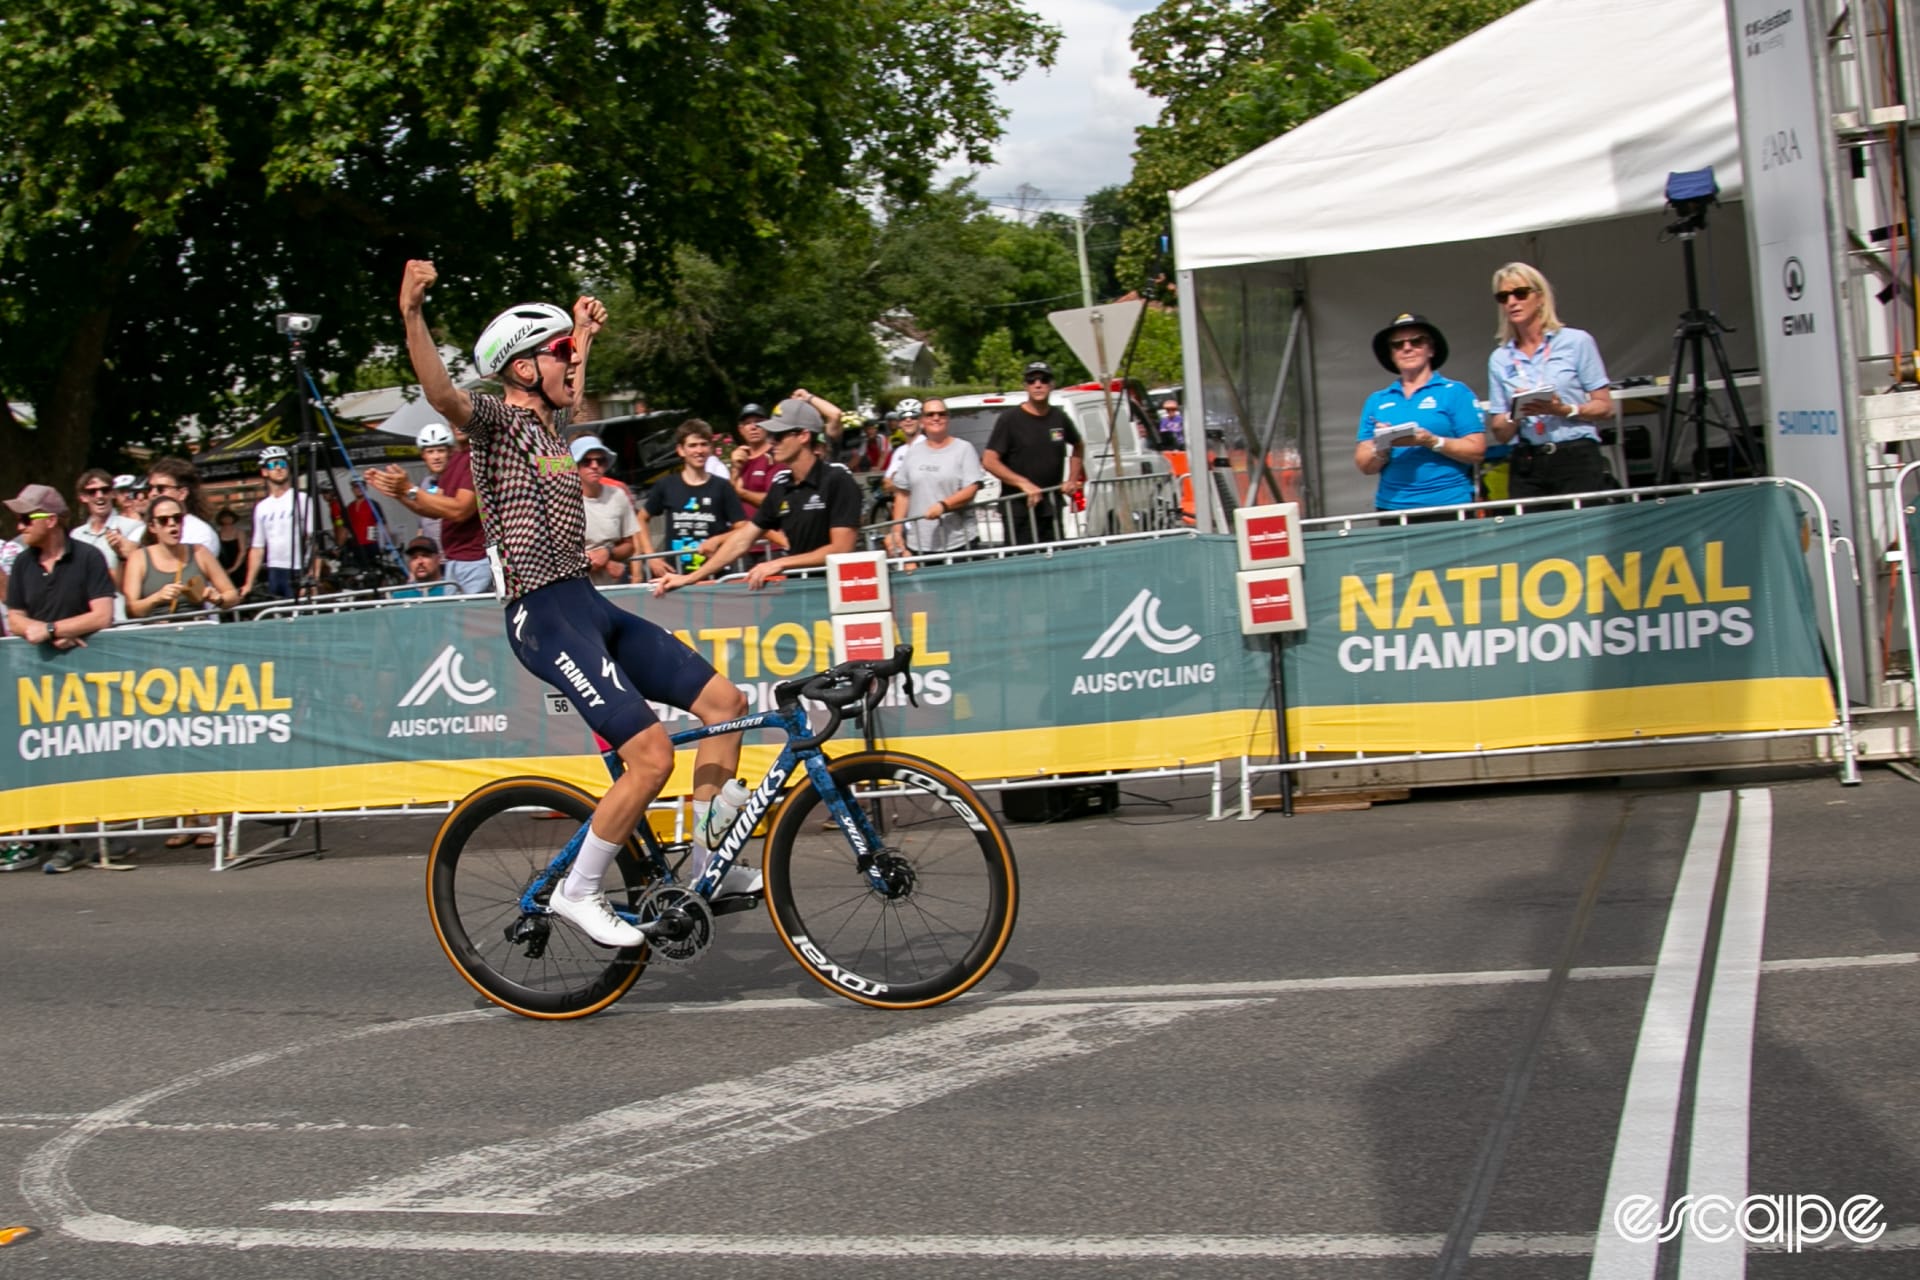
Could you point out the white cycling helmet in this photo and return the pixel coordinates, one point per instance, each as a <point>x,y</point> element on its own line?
<point>514,332</point>
<point>435,433</point>
<point>908,408</point>
<point>272,453</point>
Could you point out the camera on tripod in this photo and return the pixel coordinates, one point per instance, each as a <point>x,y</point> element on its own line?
<point>1690,195</point>
<point>296,324</point>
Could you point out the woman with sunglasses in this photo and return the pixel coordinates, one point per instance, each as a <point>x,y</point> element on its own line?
<point>1421,433</point>
<point>1547,391</point>
<point>169,577</point>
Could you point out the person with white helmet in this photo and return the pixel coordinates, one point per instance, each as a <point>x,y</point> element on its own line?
<point>446,504</point>
<point>910,425</point>
<point>607,662</point>
<point>280,529</point>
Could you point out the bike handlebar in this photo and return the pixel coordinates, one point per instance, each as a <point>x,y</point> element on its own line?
<point>842,686</point>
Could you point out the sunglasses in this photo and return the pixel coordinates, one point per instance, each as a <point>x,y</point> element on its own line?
<point>1040,379</point>
<point>1407,344</point>
<point>169,488</point>
<point>273,466</point>
<point>593,460</point>
<point>31,516</point>
<point>422,554</point>
<point>1522,292</point>
<point>561,348</point>
<point>934,413</point>
<point>172,519</point>
<point>96,490</point>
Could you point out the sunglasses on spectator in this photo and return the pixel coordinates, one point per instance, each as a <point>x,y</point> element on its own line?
<point>175,518</point>
<point>1040,377</point>
<point>31,516</point>
<point>96,490</point>
<point>595,461</point>
<point>1522,292</point>
<point>1407,344</point>
<point>273,466</point>
<point>934,413</point>
<point>420,555</point>
<point>163,487</point>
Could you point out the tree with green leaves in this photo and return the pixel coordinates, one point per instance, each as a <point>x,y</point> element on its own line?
<point>178,172</point>
<point>1233,75</point>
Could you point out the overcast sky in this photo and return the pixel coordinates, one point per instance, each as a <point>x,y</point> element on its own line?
<point>1070,130</point>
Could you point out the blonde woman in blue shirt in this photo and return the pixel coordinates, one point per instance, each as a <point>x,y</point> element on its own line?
<point>1546,391</point>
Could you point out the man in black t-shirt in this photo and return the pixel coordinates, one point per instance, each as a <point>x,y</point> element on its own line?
<point>815,503</point>
<point>60,589</point>
<point>700,508</point>
<point>1028,452</point>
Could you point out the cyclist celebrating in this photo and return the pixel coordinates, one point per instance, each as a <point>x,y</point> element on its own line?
<point>608,663</point>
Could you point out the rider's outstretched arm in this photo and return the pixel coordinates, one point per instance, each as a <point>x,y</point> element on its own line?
<point>453,404</point>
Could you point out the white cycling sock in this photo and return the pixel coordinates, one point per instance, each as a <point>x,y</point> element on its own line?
<point>596,855</point>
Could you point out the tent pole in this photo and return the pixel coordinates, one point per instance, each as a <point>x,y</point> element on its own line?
<point>1194,404</point>
<point>1260,469</point>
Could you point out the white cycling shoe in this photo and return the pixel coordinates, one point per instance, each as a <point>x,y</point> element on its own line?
<point>740,880</point>
<point>594,917</point>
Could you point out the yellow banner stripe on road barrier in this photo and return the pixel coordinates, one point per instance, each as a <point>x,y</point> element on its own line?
<point>1134,744</point>
<point>1591,715</point>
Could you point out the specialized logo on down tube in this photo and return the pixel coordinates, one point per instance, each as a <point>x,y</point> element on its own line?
<point>1141,621</point>
<point>444,675</point>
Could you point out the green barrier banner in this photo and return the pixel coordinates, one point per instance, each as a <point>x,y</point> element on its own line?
<point>1641,620</point>
<point>1693,615</point>
<point>1120,657</point>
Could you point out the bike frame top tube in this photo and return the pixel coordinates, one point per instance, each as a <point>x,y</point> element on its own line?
<point>793,723</point>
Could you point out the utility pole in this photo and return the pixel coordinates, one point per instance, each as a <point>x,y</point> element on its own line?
<point>1080,244</point>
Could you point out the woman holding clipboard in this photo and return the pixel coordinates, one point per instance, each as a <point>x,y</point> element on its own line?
<point>1421,433</point>
<point>1546,389</point>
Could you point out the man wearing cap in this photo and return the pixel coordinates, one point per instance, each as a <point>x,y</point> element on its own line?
<point>130,503</point>
<point>814,503</point>
<point>60,589</point>
<point>751,466</point>
<point>423,572</point>
<point>1027,451</point>
<point>279,530</point>
<point>1421,433</point>
<point>611,524</point>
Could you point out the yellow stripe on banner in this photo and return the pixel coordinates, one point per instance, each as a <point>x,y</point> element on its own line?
<point>1592,715</point>
<point>1140,744</point>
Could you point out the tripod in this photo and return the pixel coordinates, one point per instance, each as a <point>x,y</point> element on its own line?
<point>1697,329</point>
<point>310,546</point>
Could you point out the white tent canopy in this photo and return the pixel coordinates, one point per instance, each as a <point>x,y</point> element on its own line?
<point>1562,112</point>
<point>1545,137</point>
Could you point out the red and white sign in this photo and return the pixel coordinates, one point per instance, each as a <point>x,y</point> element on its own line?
<point>1271,600</point>
<point>857,583</point>
<point>862,637</point>
<point>1269,536</point>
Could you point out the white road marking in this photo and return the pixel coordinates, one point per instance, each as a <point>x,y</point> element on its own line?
<point>205,1126</point>
<point>1297,986</point>
<point>106,1229</point>
<point>1643,1149</point>
<point>627,1149</point>
<point>1717,1153</point>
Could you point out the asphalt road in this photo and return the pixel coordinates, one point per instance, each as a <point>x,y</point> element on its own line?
<point>1394,1043</point>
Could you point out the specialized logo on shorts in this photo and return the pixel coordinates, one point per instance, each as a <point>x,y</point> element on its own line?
<point>1141,621</point>
<point>610,672</point>
<point>444,675</point>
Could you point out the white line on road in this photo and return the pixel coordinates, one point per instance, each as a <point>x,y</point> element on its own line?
<point>205,1126</point>
<point>1717,1153</point>
<point>625,1150</point>
<point>1643,1149</point>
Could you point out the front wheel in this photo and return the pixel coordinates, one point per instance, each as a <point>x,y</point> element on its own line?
<point>495,844</point>
<point>947,911</point>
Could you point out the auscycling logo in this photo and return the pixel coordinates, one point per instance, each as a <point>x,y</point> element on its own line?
<point>1140,621</point>
<point>444,675</point>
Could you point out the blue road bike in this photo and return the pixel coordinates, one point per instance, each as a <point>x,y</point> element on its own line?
<point>900,895</point>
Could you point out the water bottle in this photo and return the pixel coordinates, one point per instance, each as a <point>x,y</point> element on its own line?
<point>726,807</point>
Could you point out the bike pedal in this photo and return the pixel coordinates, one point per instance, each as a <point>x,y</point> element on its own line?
<point>735,902</point>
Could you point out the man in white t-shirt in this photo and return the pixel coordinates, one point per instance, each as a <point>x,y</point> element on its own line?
<point>937,481</point>
<point>274,531</point>
<point>611,523</point>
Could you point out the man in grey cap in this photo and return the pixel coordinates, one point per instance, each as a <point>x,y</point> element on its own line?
<point>814,503</point>
<point>60,589</point>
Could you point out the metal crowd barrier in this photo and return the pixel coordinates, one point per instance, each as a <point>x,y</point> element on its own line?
<point>1902,510</point>
<point>1112,507</point>
<point>1841,729</point>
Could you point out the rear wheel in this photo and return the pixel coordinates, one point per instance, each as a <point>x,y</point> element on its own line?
<point>491,847</point>
<point>952,889</point>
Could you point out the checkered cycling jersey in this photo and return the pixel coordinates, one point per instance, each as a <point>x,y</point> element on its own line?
<point>529,496</point>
